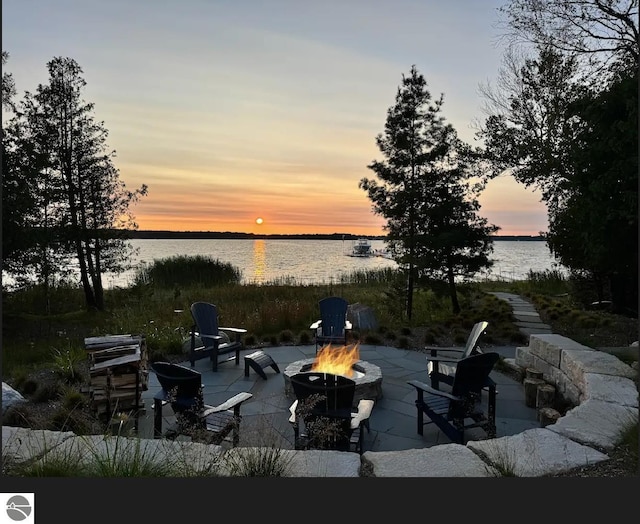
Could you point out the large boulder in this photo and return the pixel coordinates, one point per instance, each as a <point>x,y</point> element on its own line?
<point>9,397</point>
<point>361,316</point>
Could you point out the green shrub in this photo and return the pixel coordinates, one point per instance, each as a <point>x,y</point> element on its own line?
<point>250,340</point>
<point>67,361</point>
<point>460,339</point>
<point>45,392</point>
<point>286,336</point>
<point>73,399</point>
<point>304,337</point>
<point>27,387</point>
<point>64,419</point>
<point>403,342</point>
<point>372,339</point>
<point>18,415</point>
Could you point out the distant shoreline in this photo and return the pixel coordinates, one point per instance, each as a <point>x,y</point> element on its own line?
<point>162,234</point>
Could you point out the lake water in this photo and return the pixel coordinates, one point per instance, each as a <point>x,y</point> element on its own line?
<point>318,261</point>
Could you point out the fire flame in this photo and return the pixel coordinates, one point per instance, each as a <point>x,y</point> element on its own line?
<point>336,360</point>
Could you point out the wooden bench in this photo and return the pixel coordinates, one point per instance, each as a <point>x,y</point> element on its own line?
<point>259,360</point>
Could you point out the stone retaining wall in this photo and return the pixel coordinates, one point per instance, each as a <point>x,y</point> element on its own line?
<point>578,372</point>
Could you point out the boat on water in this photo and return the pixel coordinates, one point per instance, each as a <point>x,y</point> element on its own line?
<point>361,248</point>
<point>383,253</point>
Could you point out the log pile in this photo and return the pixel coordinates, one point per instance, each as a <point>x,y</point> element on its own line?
<point>118,373</point>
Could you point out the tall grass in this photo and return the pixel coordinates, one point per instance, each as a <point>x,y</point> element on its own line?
<point>188,270</point>
<point>547,282</point>
<point>118,456</point>
<point>157,306</point>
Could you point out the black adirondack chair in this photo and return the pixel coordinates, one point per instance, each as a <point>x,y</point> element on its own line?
<point>451,411</point>
<point>322,415</point>
<point>208,339</point>
<point>182,390</point>
<point>441,361</point>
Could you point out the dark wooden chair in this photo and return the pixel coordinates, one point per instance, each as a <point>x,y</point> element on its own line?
<point>208,339</point>
<point>451,411</point>
<point>333,326</point>
<point>441,361</point>
<point>182,390</point>
<point>323,417</point>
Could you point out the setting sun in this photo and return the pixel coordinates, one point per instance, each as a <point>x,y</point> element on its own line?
<point>259,220</point>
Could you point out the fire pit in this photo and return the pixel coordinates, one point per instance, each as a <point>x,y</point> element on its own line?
<point>343,360</point>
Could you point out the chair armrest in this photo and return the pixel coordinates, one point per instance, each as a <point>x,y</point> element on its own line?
<point>439,348</point>
<point>292,410</point>
<point>442,359</point>
<point>428,389</point>
<point>237,331</point>
<point>214,337</point>
<point>233,329</point>
<point>234,401</point>
<point>316,324</point>
<point>364,412</point>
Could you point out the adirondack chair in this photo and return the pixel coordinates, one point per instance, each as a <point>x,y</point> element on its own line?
<point>208,339</point>
<point>450,411</point>
<point>333,326</point>
<point>322,415</point>
<point>441,362</point>
<point>182,390</point>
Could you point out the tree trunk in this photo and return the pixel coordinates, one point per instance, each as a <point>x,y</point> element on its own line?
<point>624,295</point>
<point>410,292</point>
<point>455,305</point>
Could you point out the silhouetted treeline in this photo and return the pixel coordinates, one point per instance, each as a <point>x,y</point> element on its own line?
<point>236,235</point>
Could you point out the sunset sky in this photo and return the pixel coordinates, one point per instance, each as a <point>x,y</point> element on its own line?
<point>233,110</point>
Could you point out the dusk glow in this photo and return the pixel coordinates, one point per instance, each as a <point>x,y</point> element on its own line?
<point>227,108</point>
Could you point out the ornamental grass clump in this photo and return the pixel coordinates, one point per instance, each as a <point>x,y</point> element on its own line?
<point>187,271</point>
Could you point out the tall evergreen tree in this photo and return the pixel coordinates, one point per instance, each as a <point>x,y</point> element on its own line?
<point>81,206</point>
<point>424,191</point>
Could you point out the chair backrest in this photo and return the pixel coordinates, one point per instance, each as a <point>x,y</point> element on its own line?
<point>472,373</point>
<point>186,381</point>
<point>336,391</point>
<point>333,313</point>
<point>474,336</point>
<point>205,316</point>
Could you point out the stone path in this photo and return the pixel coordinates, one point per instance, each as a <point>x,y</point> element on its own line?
<point>527,318</point>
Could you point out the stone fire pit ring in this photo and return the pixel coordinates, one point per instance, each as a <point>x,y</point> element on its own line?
<point>368,379</point>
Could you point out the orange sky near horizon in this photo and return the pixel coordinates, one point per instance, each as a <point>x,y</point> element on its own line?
<point>230,111</point>
<point>221,206</point>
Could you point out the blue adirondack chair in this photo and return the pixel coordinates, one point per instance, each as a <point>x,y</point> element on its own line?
<point>333,326</point>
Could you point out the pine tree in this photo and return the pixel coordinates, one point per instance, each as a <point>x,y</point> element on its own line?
<point>424,191</point>
<point>83,205</point>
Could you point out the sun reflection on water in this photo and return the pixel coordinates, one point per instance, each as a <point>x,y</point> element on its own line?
<point>259,260</point>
